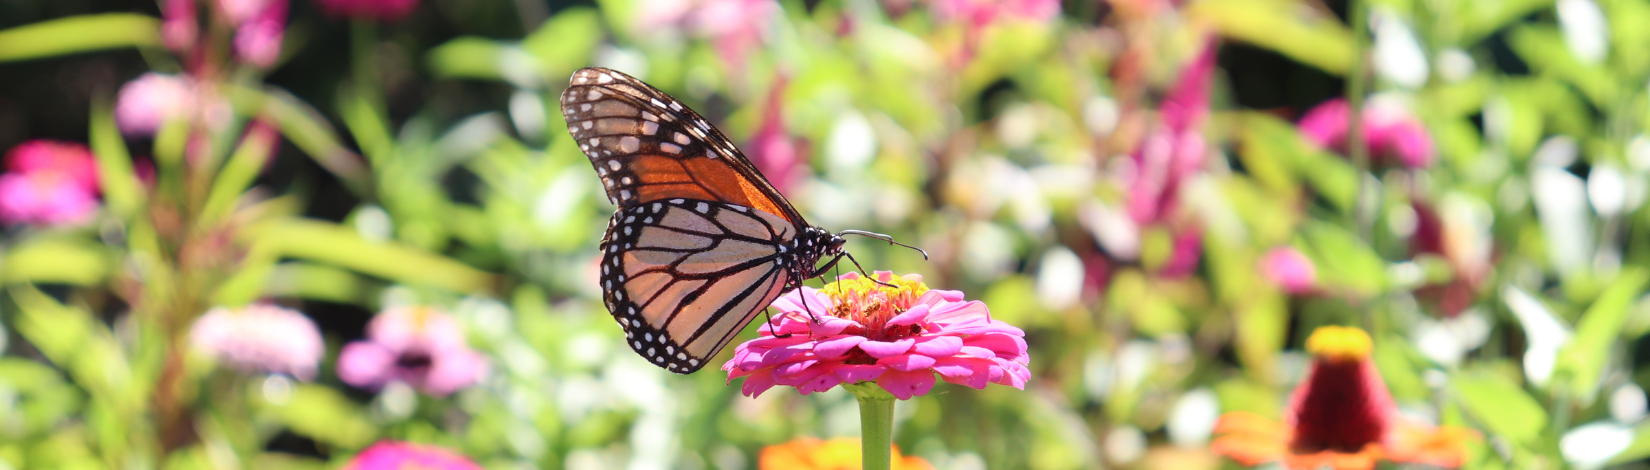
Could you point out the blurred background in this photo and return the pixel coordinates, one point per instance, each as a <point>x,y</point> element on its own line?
<point>224,219</point>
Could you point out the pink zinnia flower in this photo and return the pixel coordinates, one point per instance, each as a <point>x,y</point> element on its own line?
<point>1289,269</point>
<point>1390,132</point>
<point>147,102</point>
<point>178,27</point>
<point>265,338</point>
<point>50,183</point>
<point>258,40</point>
<point>391,455</point>
<point>242,11</point>
<point>379,10</point>
<point>898,337</point>
<point>419,346</point>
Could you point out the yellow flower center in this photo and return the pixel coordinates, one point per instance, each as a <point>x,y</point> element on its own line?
<point>1339,343</point>
<point>871,303</point>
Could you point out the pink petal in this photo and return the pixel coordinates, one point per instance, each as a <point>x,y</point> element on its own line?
<point>974,373</point>
<point>907,362</point>
<point>758,382</point>
<point>453,370</point>
<point>836,347</point>
<point>365,364</point>
<point>979,352</point>
<point>915,316</point>
<point>858,373</point>
<point>882,349</point>
<point>938,346</point>
<point>831,326</point>
<point>1289,270</point>
<point>818,383</point>
<point>904,385</point>
<point>951,312</point>
<point>999,343</point>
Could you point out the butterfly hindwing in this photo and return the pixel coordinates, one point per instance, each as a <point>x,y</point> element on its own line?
<point>646,146</point>
<point>684,276</point>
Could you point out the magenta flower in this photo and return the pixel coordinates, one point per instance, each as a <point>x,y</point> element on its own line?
<point>1390,132</point>
<point>391,455</point>
<point>241,11</point>
<point>178,27</point>
<point>418,346</point>
<point>49,183</point>
<point>1289,269</point>
<point>773,150</point>
<point>147,102</point>
<point>258,40</point>
<point>735,26</point>
<point>376,10</point>
<point>262,337</point>
<point>898,337</point>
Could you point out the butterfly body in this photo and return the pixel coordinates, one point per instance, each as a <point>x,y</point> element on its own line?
<point>701,242</point>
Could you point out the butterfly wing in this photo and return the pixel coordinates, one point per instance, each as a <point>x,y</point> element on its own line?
<point>684,276</point>
<point>646,146</point>
<point>700,242</point>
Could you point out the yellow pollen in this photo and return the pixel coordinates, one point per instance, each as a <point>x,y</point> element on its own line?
<point>864,300</point>
<point>1339,343</point>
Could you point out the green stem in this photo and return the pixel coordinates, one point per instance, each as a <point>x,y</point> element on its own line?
<point>1357,85</point>
<point>876,425</point>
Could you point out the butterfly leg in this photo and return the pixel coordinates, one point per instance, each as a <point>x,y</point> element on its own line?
<point>860,268</point>
<point>769,318</point>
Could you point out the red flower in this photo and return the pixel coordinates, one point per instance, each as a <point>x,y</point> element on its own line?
<point>1340,416</point>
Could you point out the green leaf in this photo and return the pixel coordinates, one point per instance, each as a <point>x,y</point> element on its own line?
<point>1262,323</point>
<point>121,187</point>
<point>1480,19</point>
<point>1585,356</point>
<point>1502,406</point>
<point>1343,260</point>
<point>566,41</point>
<point>467,57</point>
<point>342,246</point>
<point>1308,36</point>
<point>56,260</point>
<point>308,130</point>
<point>78,34</point>
<point>325,415</point>
<point>1543,48</point>
<point>243,167</point>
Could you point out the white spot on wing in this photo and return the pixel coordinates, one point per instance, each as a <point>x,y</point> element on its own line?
<point>682,138</point>
<point>669,147</point>
<point>604,78</point>
<point>614,164</point>
<point>629,144</point>
<point>648,127</point>
<point>702,208</point>
<point>594,95</point>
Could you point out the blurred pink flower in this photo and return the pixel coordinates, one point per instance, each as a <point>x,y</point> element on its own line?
<point>179,28</point>
<point>898,337</point>
<point>1390,132</point>
<point>258,40</point>
<point>261,337</point>
<point>1176,150</point>
<point>377,10</point>
<point>773,150</point>
<point>392,455</point>
<point>735,26</point>
<point>242,11</point>
<point>1289,269</point>
<point>420,346</point>
<point>984,12</point>
<point>49,183</point>
<point>150,100</point>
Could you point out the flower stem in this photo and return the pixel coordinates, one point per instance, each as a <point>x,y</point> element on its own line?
<point>876,425</point>
<point>1357,84</point>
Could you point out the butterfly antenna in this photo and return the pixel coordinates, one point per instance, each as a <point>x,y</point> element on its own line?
<point>882,237</point>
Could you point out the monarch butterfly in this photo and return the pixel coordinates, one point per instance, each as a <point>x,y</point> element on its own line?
<point>701,242</point>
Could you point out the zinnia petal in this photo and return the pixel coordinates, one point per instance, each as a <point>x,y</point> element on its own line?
<point>938,346</point>
<point>882,349</point>
<point>904,385</point>
<point>837,346</point>
<point>907,362</point>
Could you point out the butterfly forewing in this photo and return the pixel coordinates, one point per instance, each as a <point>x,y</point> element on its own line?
<point>646,146</point>
<point>684,276</point>
<point>701,243</point>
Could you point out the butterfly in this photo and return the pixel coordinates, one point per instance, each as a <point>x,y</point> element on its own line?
<point>700,242</point>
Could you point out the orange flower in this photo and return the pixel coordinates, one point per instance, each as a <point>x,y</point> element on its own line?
<point>1340,416</point>
<point>836,454</point>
